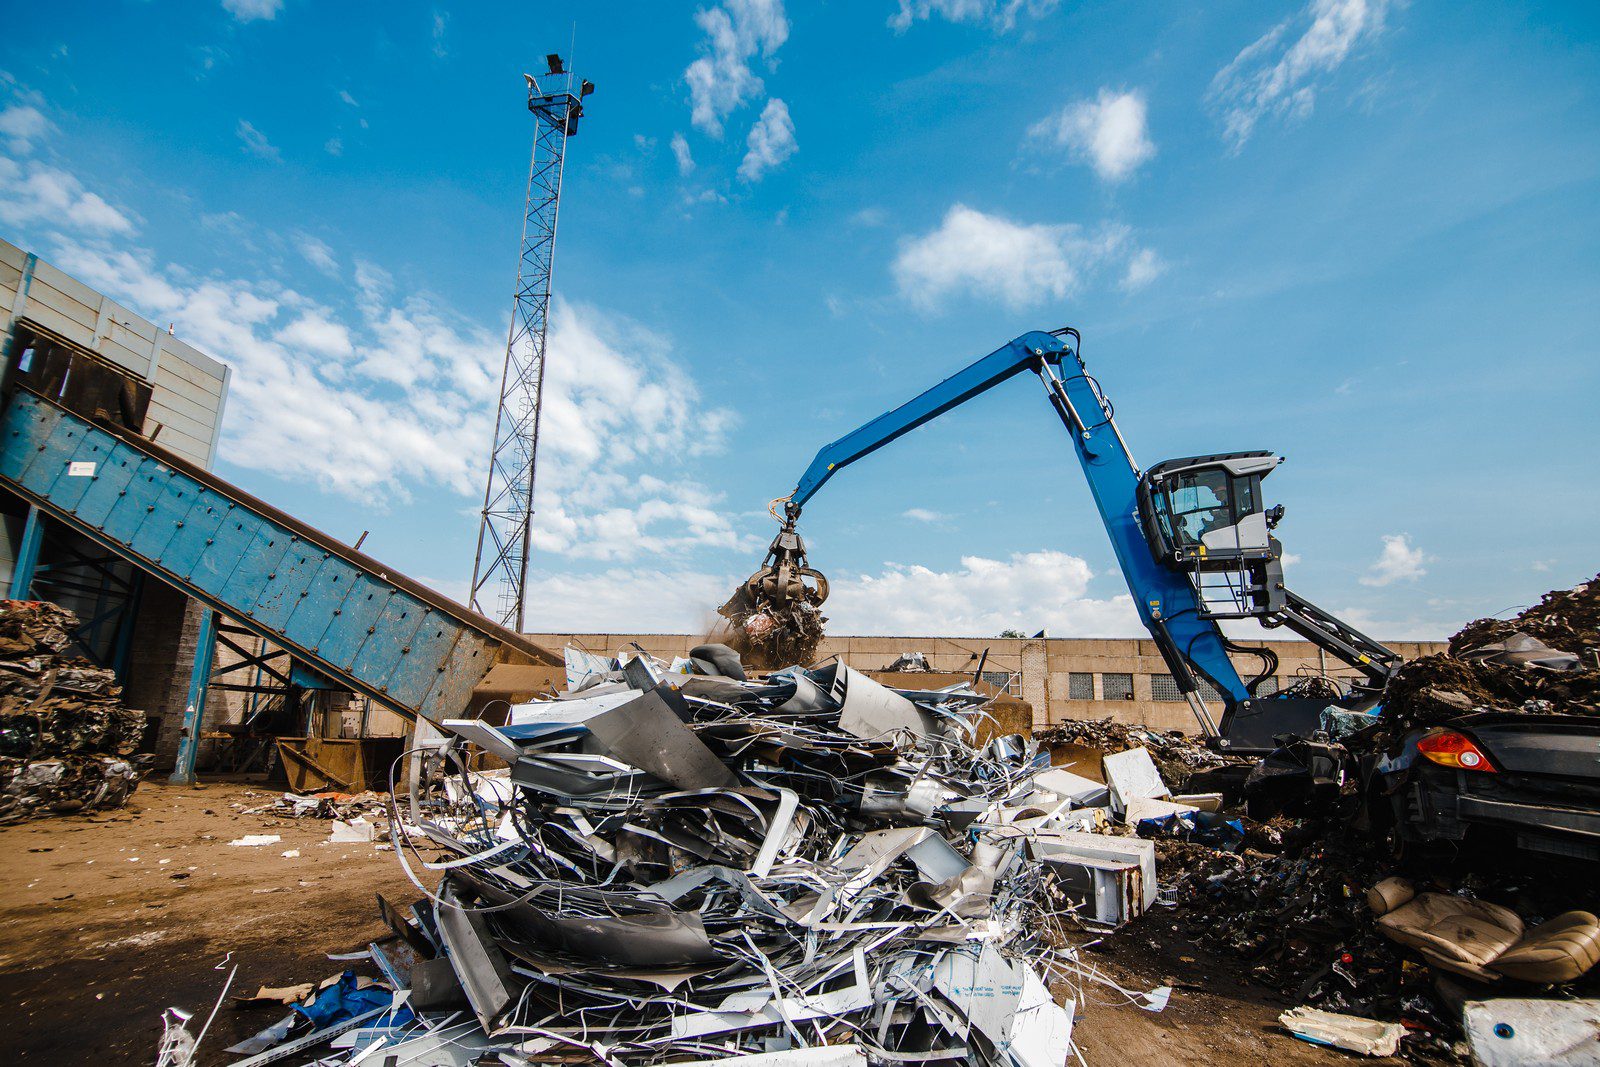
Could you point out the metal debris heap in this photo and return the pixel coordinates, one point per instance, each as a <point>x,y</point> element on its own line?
<point>685,866</point>
<point>1545,661</point>
<point>66,740</point>
<point>775,616</point>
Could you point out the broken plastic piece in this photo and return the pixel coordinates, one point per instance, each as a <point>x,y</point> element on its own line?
<point>1349,1032</point>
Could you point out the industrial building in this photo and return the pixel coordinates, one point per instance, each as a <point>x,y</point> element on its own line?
<point>1061,678</point>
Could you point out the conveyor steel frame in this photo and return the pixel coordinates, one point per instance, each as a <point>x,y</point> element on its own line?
<point>344,613</point>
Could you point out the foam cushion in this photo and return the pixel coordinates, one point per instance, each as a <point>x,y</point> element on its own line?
<point>1559,950</point>
<point>1454,933</point>
<point>1389,894</point>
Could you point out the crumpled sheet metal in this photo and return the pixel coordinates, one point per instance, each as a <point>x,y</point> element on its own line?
<point>67,742</point>
<point>695,867</point>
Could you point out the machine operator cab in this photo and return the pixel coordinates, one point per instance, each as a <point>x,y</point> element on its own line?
<point>1204,515</point>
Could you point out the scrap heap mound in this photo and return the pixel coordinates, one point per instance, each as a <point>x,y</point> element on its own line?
<point>66,740</point>
<point>1542,661</point>
<point>767,638</point>
<point>1291,904</point>
<point>1299,921</point>
<point>682,866</point>
<point>1177,756</point>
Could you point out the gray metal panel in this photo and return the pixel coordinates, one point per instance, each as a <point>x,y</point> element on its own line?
<point>188,387</point>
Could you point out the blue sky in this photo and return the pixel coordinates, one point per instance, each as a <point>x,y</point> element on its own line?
<point>1364,234</point>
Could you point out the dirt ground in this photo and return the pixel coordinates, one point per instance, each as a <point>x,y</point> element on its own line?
<point>109,919</point>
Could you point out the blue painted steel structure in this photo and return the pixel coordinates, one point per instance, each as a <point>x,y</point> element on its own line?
<point>194,708</point>
<point>345,615</point>
<point>1167,602</point>
<point>27,561</point>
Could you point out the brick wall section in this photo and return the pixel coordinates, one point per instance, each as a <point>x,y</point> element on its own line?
<point>1035,671</point>
<point>160,662</point>
<point>1044,686</point>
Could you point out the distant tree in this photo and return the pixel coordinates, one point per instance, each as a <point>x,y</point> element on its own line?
<point>1012,633</point>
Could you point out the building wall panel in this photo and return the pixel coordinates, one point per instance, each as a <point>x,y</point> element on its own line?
<point>1045,678</point>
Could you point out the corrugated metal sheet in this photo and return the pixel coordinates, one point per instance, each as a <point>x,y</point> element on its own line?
<point>190,388</point>
<point>345,615</point>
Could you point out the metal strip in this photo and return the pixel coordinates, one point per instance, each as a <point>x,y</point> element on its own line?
<point>273,1055</point>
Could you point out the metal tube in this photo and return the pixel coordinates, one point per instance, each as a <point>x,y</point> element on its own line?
<point>27,555</point>
<point>194,711</point>
<point>1198,706</point>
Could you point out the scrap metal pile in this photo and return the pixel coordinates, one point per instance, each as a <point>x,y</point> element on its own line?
<point>1294,907</point>
<point>1542,661</point>
<point>66,740</point>
<point>1178,756</point>
<point>775,616</point>
<point>683,867</point>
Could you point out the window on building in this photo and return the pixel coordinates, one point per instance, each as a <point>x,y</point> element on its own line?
<point>1117,686</point>
<point>1164,687</point>
<point>1268,686</point>
<point>1004,681</point>
<point>1080,686</point>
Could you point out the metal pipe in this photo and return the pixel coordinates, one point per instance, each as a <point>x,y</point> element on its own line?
<point>27,561</point>
<point>194,711</point>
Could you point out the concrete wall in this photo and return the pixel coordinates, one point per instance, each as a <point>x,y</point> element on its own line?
<point>1039,670</point>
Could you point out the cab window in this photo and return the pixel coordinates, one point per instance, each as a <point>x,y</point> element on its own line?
<point>1197,503</point>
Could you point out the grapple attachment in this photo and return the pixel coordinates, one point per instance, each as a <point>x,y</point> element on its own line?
<point>777,608</point>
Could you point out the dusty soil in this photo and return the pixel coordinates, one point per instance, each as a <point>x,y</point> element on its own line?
<point>1216,1014</point>
<point>100,935</point>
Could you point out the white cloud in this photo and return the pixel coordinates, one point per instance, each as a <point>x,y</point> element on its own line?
<point>344,94</point>
<point>333,146</point>
<point>1144,267</point>
<point>441,22</point>
<point>317,253</point>
<point>630,600</point>
<point>1276,76</point>
<point>23,124</point>
<point>255,142</point>
<point>1030,591</point>
<point>35,193</point>
<point>1001,14</point>
<point>1019,264</point>
<point>399,397</point>
<point>721,80</point>
<point>923,515</point>
<point>315,332</point>
<point>1109,132</point>
<point>771,141</point>
<point>396,394</point>
<point>1399,560</point>
<point>250,10</point>
<point>680,152</point>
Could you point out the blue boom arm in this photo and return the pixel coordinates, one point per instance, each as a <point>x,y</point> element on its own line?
<point>998,366</point>
<point>1166,600</point>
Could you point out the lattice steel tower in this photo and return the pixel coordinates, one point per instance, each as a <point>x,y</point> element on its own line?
<point>500,568</point>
